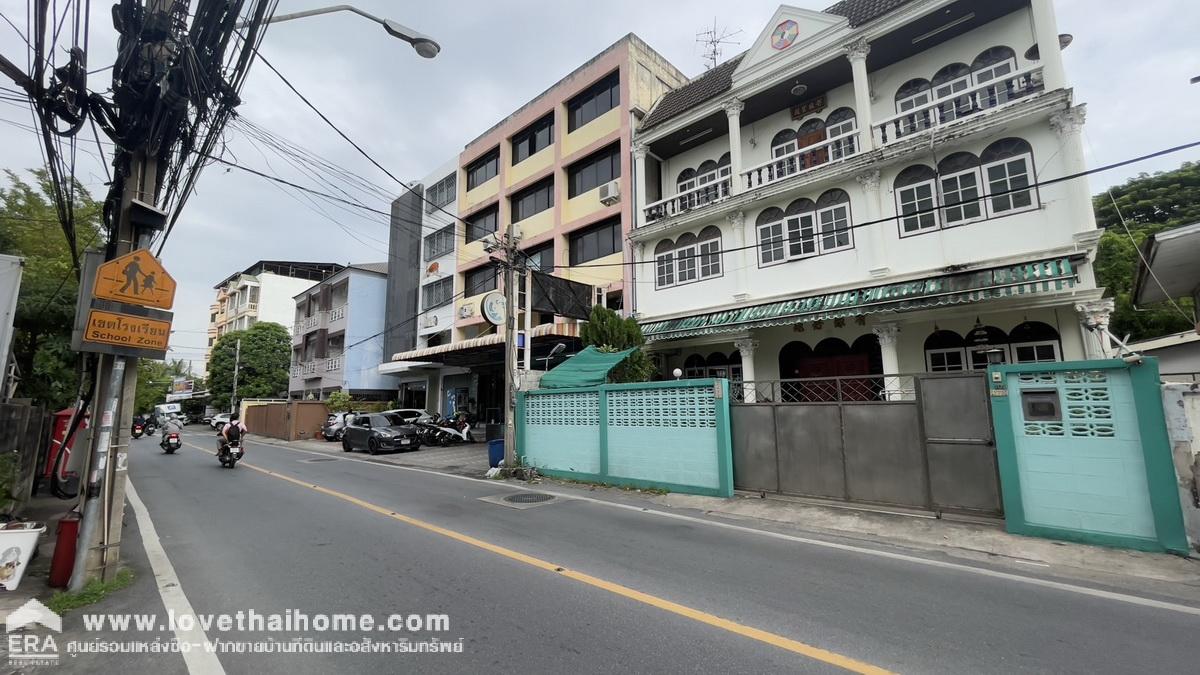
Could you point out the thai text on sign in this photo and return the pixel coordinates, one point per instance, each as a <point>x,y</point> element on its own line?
<point>126,330</point>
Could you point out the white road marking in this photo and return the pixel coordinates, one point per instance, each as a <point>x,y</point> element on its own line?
<point>995,574</point>
<point>200,659</point>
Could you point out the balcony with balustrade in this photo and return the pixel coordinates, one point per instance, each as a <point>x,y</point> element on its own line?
<point>926,82</point>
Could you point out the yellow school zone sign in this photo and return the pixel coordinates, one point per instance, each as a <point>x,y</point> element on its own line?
<point>136,278</point>
<point>126,330</point>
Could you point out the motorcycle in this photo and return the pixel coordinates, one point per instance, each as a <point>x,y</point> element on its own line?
<point>447,431</point>
<point>230,453</point>
<point>151,428</point>
<point>137,430</point>
<point>170,442</point>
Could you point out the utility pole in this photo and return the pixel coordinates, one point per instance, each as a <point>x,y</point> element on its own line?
<point>237,364</point>
<point>510,244</point>
<point>104,496</point>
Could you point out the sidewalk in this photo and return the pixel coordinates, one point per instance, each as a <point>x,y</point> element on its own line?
<point>966,540</point>
<point>48,510</point>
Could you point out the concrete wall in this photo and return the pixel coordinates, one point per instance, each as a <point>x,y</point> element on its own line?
<point>1181,358</point>
<point>404,269</point>
<point>277,298</point>
<point>1181,406</point>
<point>437,320</point>
<point>365,320</point>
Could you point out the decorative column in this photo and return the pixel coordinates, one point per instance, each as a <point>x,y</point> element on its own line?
<point>888,334</point>
<point>1093,321</point>
<point>1068,124</point>
<point>741,258</point>
<point>639,184</point>
<point>733,110</point>
<point>857,53</point>
<point>1045,33</point>
<point>746,348</point>
<point>873,236</point>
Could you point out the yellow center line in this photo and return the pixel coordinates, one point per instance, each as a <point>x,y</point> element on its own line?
<point>713,620</point>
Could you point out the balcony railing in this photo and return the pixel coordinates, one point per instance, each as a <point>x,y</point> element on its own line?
<point>309,367</point>
<point>714,189</point>
<point>803,160</point>
<point>333,363</point>
<point>981,97</point>
<point>337,313</point>
<point>312,322</point>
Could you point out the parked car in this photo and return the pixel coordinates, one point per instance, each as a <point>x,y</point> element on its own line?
<point>380,432</point>
<point>335,425</point>
<point>219,421</point>
<point>411,415</point>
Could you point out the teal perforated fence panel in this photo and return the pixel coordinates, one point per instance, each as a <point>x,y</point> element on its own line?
<point>672,435</point>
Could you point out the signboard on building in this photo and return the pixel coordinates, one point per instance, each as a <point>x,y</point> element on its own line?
<point>555,295</point>
<point>809,107</point>
<point>181,385</point>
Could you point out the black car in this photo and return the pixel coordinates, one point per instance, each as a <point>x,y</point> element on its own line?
<point>380,432</point>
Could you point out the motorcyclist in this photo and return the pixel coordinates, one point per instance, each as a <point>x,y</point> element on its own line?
<point>170,425</point>
<point>231,432</point>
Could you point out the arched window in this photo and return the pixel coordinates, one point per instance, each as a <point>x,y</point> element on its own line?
<point>1007,167</point>
<point>686,180</point>
<point>718,365</point>
<point>831,347</point>
<point>770,236</point>
<point>686,260</point>
<point>1035,342</point>
<point>981,340</point>
<point>839,123</point>
<point>959,187</point>
<point>784,143</point>
<point>946,84</point>
<point>993,64</point>
<point>710,252</point>
<point>916,188</point>
<point>664,264</point>
<point>735,366</point>
<point>812,131</point>
<point>694,367</point>
<point>944,352</point>
<point>833,221</point>
<point>912,94</point>
<point>790,358</point>
<point>800,223</point>
<point>706,167</point>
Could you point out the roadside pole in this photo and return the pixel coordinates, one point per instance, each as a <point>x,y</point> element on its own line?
<point>237,363</point>
<point>510,346</point>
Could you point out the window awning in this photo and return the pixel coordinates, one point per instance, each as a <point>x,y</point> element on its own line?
<point>447,353</point>
<point>950,289</point>
<point>588,368</point>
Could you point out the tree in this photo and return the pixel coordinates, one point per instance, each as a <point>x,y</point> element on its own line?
<point>263,371</point>
<point>339,401</point>
<point>1150,203</point>
<point>154,381</point>
<point>607,331</point>
<point>46,306</point>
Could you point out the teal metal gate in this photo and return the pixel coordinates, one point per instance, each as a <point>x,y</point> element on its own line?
<point>1084,455</point>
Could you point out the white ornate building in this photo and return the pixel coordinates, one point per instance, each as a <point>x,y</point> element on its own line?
<point>881,187</point>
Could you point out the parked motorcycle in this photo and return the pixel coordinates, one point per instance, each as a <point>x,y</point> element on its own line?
<point>170,442</point>
<point>137,430</point>
<point>230,453</point>
<point>447,431</point>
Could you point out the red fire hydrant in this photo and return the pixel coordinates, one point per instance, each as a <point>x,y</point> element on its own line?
<point>63,561</point>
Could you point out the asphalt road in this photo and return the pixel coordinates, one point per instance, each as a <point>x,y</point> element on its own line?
<point>584,587</point>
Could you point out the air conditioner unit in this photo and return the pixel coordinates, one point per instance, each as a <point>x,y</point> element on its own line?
<point>610,193</point>
<point>466,311</point>
<point>429,321</point>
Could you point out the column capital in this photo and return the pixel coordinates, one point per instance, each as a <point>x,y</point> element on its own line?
<point>639,150</point>
<point>887,333</point>
<point>869,180</point>
<point>858,49</point>
<point>746,347</point>
<point>736,220</point>
<point>1094,314</point>
<point>1069,121</point>
<point>733,107</point>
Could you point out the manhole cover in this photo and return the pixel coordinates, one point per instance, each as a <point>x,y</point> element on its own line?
<point>528,498</point>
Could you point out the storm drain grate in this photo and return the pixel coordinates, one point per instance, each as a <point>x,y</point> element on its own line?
<point>522,500</point>
<point>319,459</point>
<point>528,498</point>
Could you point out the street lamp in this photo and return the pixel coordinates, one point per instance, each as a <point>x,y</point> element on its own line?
<point>678,373</point>
<point>546,359</point>
<point>424,45</point>
<point>995,356</point>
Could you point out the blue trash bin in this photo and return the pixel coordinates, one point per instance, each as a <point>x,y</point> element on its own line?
<point>495,452</point>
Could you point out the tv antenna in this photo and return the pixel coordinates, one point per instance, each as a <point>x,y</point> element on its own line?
<point>714,39</point>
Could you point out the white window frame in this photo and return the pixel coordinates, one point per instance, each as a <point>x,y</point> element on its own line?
<point>686,263</point>
<point>823,234</point>
<point>915,202</point>
<point>1031,191</point>
<point>962,360</point>
<point>804,229</point>
<point>912,102</point>
<point>777,245</point>
<point>990,71</point>
<point>845,147</point>
<point>664,270</point>
<point>946,206</point>
<point>951,88</point>
<point>1053,344</point>
<point>710,258</point>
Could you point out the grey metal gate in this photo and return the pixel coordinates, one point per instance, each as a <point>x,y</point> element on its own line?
<point>920,441</point>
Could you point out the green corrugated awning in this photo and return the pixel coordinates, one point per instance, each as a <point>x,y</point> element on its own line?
<point>949,289</point>
<point>588,368</point>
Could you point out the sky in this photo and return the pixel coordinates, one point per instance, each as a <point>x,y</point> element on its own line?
<point>1130,65</point>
